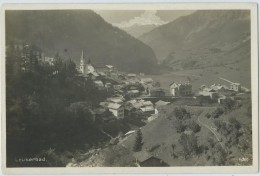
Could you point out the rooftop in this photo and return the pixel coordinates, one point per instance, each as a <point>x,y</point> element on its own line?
<point>161,103</point>
<point>114,106</point>
<point>142,156</point>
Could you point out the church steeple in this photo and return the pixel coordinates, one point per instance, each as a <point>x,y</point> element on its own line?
<point>82,63</point>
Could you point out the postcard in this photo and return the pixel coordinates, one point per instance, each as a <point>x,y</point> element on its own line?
<point>129,88</point>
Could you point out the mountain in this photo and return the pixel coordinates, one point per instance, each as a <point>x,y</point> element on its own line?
<point>202,39</point>
<point>76,30</point>
<point>138,30</point>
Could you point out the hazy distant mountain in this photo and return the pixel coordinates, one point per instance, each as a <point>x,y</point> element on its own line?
<point>144,23</point>
<point>55,31</point>
<point>203,38</point>
<point>138,30</point>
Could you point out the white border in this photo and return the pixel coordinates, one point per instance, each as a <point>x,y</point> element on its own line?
<point>143,6</point>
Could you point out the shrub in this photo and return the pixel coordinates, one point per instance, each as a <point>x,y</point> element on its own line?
<point>189,144</point>
<point>218,112</point>
<point>194,127</point>
<point>208,115</point>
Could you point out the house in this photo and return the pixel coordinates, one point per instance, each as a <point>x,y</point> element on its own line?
<point>209,92</point>
<point>235,87</point>
<point>218,87</point>
<point>117,100</point>
<point>144,159</point>
<point>99,83</point>
<point>100,67</point>
<point>133,93</point>
<point>147,110</point>
<point>180,89</point>
<point>116,109</point>
<point>156,92</point>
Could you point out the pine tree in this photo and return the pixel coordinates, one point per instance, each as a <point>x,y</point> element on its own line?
<point>138,141</point>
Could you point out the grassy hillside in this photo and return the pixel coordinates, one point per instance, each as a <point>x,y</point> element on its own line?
<point>211,140</point>
<point>56,31</point>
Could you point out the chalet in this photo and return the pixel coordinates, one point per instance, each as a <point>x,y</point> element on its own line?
<point>235,87</point>
<point>117,100</point>
<point>180,89</point>
<point>218,87</point>
<point>99,83</point>
<point>116,109</point>
<point>100,67</point>
<point>144,159</point>
<point>147,110</point>
<point>209,92</point>
<point>133,93</point>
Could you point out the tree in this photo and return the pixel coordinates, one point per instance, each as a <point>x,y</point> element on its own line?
<point>194,127</point>
<point>138,141</point>
<point>189,144</point>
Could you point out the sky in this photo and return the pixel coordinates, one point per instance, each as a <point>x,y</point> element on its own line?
<point>124,19</point>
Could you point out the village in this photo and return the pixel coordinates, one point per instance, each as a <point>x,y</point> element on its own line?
<point>134,93</point>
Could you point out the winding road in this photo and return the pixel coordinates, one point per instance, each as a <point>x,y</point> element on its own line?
<point>212,130</point>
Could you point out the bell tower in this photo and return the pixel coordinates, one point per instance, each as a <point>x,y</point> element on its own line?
<point>82,63</point>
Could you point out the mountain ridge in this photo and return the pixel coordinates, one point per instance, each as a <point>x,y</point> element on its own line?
<point>74,31</point>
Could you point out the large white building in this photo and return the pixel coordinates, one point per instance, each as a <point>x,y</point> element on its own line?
<point>180,89</point>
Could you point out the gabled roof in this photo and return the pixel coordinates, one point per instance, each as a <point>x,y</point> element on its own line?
<point>116,100</point>
<point>133,91</point>
<point>161,103</point>
<point>109,66</point>
<point>114,106</point>
<point>142,156</point>
<point>147,108</point>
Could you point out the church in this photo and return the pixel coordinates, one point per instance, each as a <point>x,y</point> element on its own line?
<point>86,68</point>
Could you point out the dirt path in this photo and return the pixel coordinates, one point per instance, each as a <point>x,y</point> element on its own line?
<point>212,130</point>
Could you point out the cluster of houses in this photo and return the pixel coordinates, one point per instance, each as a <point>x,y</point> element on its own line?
<point>126,91</point>
<point>218,92</point>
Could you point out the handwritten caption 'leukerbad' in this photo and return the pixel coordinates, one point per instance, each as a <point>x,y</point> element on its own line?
<point>31,159</point>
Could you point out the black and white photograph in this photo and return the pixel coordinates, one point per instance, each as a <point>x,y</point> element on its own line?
<point>104,87</point>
